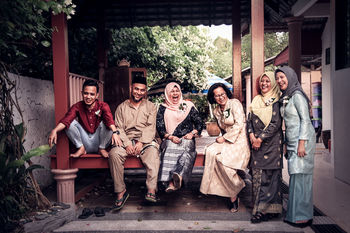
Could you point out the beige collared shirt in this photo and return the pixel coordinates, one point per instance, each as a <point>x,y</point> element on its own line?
<point>136,123</point>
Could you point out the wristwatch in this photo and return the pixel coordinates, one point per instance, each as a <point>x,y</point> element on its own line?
<point>193,132</point>
<point>116,132</point>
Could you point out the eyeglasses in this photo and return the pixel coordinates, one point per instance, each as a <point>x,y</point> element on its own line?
<point>221,95</point>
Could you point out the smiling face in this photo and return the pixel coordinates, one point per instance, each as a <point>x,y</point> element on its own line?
<point>265,84</point>
<point>175,95</point>
<point>138,92</point>
<point>220,96</point>
<point>281,80</point>
<point>89,95</point>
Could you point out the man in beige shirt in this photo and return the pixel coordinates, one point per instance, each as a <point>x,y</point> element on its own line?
<point>135,119</point>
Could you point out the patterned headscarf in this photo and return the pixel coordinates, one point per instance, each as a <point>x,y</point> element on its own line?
<point>261,105</point>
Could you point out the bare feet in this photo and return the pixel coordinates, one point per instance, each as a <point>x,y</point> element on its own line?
<point>103,152</point>
<point>79,152</point>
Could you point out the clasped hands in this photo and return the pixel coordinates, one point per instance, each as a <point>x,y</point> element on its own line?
<point>177,140</point>
<point>134,150</point>
<point>256,142</point>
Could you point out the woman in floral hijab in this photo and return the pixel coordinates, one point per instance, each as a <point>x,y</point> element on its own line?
<point>178,122</point>
<point>265,134</point>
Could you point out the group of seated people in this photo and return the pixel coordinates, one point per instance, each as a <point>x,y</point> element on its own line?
<point>255,142</point>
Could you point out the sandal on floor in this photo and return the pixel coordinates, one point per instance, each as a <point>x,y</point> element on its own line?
<point>99,212</point>
<point>233,206</point>
<point>170,189</point>
<point>177,180</point>
<point>85,213</point>
<point>258,218</point>
<point>151,197</point>
<point>117,205</point>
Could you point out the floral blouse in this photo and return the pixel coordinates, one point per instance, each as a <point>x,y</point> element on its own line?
<point>191,122</point>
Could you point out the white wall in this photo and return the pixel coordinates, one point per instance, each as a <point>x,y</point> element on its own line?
<point>340,86</point>
<point>326,79</point>
<point>36,101</point>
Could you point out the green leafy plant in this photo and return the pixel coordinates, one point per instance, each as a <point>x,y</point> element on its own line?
<point>19,191</point>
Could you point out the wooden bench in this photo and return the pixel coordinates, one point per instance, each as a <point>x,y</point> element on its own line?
<point>96,161</point>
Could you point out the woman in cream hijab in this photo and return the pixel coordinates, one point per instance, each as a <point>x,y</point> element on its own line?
<point>265,134</point>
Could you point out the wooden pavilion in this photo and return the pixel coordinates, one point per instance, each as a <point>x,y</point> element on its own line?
<point>255,16</point>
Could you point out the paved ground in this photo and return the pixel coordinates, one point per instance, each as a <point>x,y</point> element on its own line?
<point>184,210</point>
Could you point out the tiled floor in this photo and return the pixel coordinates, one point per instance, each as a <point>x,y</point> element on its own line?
<point>330,195</point>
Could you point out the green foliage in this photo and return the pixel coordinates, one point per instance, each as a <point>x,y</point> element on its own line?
<point>82,51</point>
<point>180,52</point>
<point>222,57</point>
<point>202,105</point>
<point>17,187</point>
<point>274,43</point>
<point>26,34</point>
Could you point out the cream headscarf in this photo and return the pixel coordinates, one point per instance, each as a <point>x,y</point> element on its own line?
<point>261,105</point>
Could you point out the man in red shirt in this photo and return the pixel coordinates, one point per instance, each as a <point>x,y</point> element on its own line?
<point>94,128</point>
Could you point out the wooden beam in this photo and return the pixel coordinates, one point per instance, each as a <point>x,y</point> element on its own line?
<point>60,77</point>
<point>236,50</point>
<point>318,10</point>
<point>294,46</point>
<point>301,6</point>
<point>257,35</point>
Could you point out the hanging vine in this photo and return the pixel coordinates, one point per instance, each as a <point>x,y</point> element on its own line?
<point>19,190</point>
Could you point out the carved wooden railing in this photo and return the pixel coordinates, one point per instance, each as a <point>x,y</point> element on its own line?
<point>75,86</point>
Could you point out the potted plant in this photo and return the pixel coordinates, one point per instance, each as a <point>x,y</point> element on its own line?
<point>212,127</point>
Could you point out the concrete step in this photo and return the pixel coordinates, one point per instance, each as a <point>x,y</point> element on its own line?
<point>177,226</point>
<point>176,222</point>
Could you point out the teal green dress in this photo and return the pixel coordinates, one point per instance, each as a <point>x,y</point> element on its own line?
<point>295,113</point>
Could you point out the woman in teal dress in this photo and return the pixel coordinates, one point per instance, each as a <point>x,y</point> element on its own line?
<point>300,142</point>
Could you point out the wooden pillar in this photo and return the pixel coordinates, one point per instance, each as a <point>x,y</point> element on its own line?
<point>236,50</point>
<point>294,29</point>
<point>102,43</point>
<point>248,87</point>
<point>60,77</point>
<point>257,33</point>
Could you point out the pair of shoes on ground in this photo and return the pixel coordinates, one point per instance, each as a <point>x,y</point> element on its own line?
<point>233,206</point>
<point>98,211</point>
<point>300,225</point>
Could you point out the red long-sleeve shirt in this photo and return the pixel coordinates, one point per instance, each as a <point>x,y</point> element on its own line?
<point>89,119</point>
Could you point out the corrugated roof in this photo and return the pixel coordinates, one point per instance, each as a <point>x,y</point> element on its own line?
<point>131,13</point>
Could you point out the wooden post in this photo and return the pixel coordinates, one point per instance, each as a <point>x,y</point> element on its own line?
<point>248,87</point>
<point>60,77</point>
<point>102,43</point>
<point>236,50</point>
<point>257,32</point>
<point>294,29</point>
